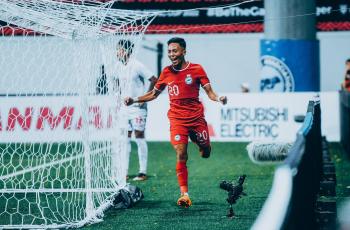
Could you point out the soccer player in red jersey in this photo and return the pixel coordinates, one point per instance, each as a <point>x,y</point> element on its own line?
<point>186,113</point>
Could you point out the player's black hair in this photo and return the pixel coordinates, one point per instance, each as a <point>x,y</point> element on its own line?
<point>347,60</point>
<point>127,45</point>
<point>179,41</point>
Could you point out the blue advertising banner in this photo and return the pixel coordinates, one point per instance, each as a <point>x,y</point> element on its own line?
<point>289,65</point>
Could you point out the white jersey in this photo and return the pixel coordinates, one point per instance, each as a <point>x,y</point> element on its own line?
<point>137,76</point>
<point>140,78</point>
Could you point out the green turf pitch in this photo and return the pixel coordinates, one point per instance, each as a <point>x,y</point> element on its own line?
<point>342,166</point>
<point>158,209</point>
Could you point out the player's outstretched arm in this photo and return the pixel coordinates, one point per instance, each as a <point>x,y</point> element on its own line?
<point>149,96</point>
<point>213,96</point>
<point>153,81</point>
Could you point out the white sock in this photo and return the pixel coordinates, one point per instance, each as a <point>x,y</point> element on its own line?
<point>142,151</point>
<point>128,151</point>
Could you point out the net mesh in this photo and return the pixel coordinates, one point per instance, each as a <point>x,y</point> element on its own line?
<point>63,129</point>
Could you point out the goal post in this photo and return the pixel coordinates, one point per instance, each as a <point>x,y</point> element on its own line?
<point>63,134</point>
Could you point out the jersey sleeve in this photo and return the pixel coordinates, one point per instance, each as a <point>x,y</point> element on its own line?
<point>203,78</point>
<point>144,72</point>
<point>161,82</point>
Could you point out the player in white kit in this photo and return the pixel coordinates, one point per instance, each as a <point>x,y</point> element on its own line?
<point>139,78</point>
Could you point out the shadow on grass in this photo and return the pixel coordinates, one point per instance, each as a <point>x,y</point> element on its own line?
<point>204,203</point>
<point>239,217</point>
<point>132,176</point>
<point>194,211</point>
<point>185,213</point>
<point>151,204</point>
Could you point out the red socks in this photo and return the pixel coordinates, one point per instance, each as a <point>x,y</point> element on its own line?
<point>182,176</point>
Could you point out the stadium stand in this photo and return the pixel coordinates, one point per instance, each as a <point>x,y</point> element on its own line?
<point>294,199</point>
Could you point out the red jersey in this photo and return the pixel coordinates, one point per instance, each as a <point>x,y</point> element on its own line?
<point>183,89</point>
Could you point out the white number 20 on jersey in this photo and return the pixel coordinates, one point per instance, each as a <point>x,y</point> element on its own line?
<point>173,90</point>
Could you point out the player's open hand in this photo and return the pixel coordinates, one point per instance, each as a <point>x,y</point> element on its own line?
<point>223,100</point>
<point>128,101</point>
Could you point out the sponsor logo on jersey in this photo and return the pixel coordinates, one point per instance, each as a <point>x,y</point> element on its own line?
<point>188,79</point>
<point>177,137</point>
<point>275,75</point>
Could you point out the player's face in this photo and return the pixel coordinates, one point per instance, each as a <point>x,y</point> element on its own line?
<point>122,55</point>
<point>176,54</point>
<point>347,74</point>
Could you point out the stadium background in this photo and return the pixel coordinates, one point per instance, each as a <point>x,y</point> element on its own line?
<point>227,43</point>
<point>231,51</point>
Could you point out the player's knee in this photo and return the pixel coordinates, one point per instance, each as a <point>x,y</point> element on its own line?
<point>181,155</point>
<point>181,152</point>
<point>205,151</point>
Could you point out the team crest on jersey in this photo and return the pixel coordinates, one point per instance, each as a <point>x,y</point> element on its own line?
<point>188,79</point>
<point>177,137</point>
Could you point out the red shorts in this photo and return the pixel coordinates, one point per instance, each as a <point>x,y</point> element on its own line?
<point>197,131</point>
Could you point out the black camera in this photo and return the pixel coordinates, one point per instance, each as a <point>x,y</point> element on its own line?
<point>235,190</point>
<point>226,185</point>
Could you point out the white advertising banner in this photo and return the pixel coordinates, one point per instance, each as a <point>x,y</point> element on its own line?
<point>252,116</point>
<point>246,117</point>
<point>57,119</point>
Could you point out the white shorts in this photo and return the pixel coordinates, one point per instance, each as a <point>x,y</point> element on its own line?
<point>137,120</point>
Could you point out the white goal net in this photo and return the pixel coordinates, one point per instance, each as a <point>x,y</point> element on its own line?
<point>62,125</point>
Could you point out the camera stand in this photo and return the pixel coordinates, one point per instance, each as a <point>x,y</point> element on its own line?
<point>230,213</point>
<point>235,191</point>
